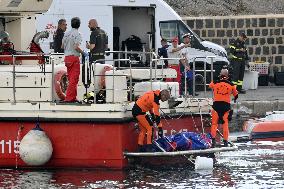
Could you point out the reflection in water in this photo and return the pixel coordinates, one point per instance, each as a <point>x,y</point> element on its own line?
<point>255,165</point>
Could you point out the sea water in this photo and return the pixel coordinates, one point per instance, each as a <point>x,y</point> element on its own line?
<point>255,165</point>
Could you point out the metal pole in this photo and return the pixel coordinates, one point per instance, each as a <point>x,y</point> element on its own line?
<point>113,84</point>
<point>52,78</point>
<point>94,72</point>
<point>211,68</point>
<point>118,60</point>
<point>156,67</point>
<point>205,69</point>
<point>130,87</point>
<point>151,57</point>
<point>185,82</point>
<point>193,77</point>
<point>151,70</point>
<point>163,71</point>
<point>14,80</point>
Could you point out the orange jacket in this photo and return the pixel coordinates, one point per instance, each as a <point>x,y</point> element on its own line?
<point>222,90</point>
<point>150,102</point>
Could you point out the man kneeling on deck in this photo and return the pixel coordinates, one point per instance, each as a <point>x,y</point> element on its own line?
<point>222,90</point>
<point>149,102</point>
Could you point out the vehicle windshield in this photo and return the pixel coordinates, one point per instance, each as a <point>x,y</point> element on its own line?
<point>176,28</point>
<point>185,29</point>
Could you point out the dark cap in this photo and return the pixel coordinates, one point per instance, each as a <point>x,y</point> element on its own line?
<point>163,40</point>
<point>243,35</point>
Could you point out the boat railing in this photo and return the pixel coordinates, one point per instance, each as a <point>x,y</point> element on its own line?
<point>153,67</point>
<point>204,70</point>
<point>195,72</point>
<point>13,59</point>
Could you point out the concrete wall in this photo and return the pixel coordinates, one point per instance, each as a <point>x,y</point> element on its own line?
<point>265,34</point>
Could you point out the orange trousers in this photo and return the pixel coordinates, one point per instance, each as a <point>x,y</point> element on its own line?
<point>214,125</point>
<point>145,127</point>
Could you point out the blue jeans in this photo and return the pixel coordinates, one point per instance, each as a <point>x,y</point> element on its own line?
<point>189,86</point>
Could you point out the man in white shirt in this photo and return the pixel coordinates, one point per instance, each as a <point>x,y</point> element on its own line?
<point>174,51</point>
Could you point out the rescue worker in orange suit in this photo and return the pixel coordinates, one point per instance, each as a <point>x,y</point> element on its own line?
<point>149,102</point>
<point>222,91</point>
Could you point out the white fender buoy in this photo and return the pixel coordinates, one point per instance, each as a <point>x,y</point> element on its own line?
<point>203,163</point>
<point>35,148</point>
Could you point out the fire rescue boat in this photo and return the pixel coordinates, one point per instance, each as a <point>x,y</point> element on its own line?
<point>38,130</point>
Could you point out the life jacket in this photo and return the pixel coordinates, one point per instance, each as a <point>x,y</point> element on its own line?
<point>235,53</point>
<point>150,102</point>
<point>6,48</point>
<point>35,48</point>
<point>222,91</point>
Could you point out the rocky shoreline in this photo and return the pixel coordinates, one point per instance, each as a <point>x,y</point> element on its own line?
<point>226,7</point>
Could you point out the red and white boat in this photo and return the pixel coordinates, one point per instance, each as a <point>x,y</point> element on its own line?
<point>81,135</point>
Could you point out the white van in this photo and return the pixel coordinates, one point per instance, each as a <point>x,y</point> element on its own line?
<point>123,18</point>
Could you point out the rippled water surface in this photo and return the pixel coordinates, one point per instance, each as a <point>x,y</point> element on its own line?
<point>254,165</point>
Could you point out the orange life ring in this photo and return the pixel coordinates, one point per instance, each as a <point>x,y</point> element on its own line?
<point>61,83</point>
<point>103,72</point>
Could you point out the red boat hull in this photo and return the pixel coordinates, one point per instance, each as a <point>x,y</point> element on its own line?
<point>83,144</point>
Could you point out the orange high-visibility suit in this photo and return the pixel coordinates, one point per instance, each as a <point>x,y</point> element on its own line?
<point>222,91</point>
<point>148,102</point>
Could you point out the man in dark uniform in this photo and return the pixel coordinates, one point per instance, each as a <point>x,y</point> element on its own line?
<point>58,36</point>
<point>238,57</point>
<point>163,52</point>
<point>98,42</point>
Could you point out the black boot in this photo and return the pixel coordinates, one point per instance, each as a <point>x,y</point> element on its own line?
<point>225,143</point>
<point>240,89</point>
<point>213,143</point>
<point>149,148</point>
<point>140,148</point>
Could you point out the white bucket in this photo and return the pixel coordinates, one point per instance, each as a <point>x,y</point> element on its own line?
<point>203,163</point>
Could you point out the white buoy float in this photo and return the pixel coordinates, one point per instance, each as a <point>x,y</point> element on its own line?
<point>203,163</point>
<point>35,148</point>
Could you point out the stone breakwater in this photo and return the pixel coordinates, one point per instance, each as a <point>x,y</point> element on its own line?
<point>258,108</point>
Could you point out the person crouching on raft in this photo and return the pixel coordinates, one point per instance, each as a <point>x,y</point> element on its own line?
<point>222,90</point>
<point>149,102</point>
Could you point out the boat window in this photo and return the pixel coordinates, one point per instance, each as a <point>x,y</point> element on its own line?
<point>183,28</point>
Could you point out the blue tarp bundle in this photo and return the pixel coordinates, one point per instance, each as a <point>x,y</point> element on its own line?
<point>184,141</point>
